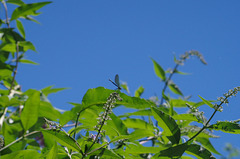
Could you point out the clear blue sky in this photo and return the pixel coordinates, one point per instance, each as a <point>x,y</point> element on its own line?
<point>81,44</point>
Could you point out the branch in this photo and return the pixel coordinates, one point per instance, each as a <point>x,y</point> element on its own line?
<point>6,13</point>
<point>20,138</point>
<point>216,109</point>
<point>167,81</point>
<point>12,84</point>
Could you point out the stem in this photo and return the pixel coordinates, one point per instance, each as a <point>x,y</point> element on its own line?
<point>6,13</point>
<point>12,84</point>
<point>20,138</point>
<point>209,119</point>
<point>76,124</point>
<point>167,81</point>
<point>99,131</point>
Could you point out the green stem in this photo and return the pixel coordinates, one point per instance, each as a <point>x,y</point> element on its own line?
<point>204,127</point>
<point>167,81</point>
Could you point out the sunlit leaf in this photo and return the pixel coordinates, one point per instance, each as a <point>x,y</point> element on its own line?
<point>140,133</point>
<point>139,91</point>
<point>99,95</point>
<point>52,154</point>
<point>190,131</point>
<point>172,152</point>
<point>48,90</point>
<point>168,124</point>
<point>174,88</point>
<point>207,144</point>
<point>125,87</point>
<point>26,154</point>
<point>140,149</point>
<point>28,61</point>
<point>16,2</point>
<point>145,112</point>
<point>158,70</point>
<point>20,28</point>
<point>63,139</point>
<point>9,47</point>
<point>199,152</point>
<point>27,9</point>
<point>189,117</point>
<point>180,102</point>
<point>27,45</point>
<point>29,115</point>
<point>207,102</point>
<point>137,124</point>
<point>115,127</point>
<point>226,126</point>
<point>48,111</point>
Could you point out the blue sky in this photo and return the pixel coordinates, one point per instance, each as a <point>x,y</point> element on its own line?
<point>81,44</point>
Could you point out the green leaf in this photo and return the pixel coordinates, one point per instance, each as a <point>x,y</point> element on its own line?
<point>66,117</point>
<point>199,152</point>
<point>9,47</point>
<point>28,61</point>
<point>158,70</point>
<point>139,149</point>
<point>226,126</point>
<point>146,112</point>
<point>29,115</point>
<point>28,9</point>
<point>98,96</point>
<point>26,154</point>
<point>139,91</point>
<point>174,88</point>
<point>115,127</point>
<point>189,117</point>
<point>190,131</point>
<point>173,152</point>
<point>48,90</point>
<point>5,102</point>
<point>125,87</point>
<point>63,139</point>
<point>168,124</point>
<point>207,102</point>
<point>26,45</point>
<point>207,144</point>
<point>140,133</point>
<point>48,111</point>
<point>10,133</point>
<point>180,102</point>
<point>137,124</point>
<point>20,28</point>
<point>16,2</point>
<point>52,154</point>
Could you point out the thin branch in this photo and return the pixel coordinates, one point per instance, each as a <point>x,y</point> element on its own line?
<point>204,127</point>
<point>12,84</point>
<point>167,81</point>
<point>20,138</point>
<point>16,67</point>
<point>76,124</point>
<point>6,13</point>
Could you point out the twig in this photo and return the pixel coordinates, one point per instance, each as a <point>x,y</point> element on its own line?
<point>20,138</point>
<point>216,109</point>
<point>6,13</point>
<point>12,84</point>
<point>167,81</point>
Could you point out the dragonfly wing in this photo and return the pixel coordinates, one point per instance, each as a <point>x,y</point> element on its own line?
<point>117,80</point>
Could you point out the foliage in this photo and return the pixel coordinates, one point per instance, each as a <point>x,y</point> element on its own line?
<point>31,126</point>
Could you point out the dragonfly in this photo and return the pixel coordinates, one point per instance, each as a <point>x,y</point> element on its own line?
<point>116,83</point>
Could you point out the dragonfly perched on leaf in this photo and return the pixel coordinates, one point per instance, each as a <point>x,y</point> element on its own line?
<point>116,83</point>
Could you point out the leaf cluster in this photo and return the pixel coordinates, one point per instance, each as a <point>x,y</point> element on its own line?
<point>31,126</point>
